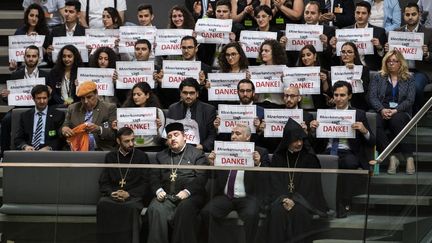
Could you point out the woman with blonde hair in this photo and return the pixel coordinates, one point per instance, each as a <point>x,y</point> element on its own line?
<point>392,94</point>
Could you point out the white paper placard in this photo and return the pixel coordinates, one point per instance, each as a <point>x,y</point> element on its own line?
<point>252,40</point>
<point>20,91</point>
<point>352,76</point>
<point>78,41</point>
<point>168,41</point>
<point>234,154</point>
<point>267,78</point>
<point>130,73</point>
<point>213,31</point>
<point>191,130</point>
<point>299,35</point>
<point>223,86</point>
<point>361,37</point>
<point>230,115</point>
<point>142,120</point>
<point>130,34</point>
<point>408,43</point>
<point>18,44</point>
<point>335,123</point>
<point>176,71</point>
<point>275,120</point>
<point>306,79</point>
<point>101,76</point>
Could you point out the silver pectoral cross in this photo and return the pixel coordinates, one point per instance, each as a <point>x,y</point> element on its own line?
<point>122,182</point>
<point>173,176</point>
<point>291,187</point>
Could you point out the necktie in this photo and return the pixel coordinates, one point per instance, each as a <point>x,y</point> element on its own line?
<point>328,5</point>
<point>334,147</point>
<point>188,114</point>
<point>204,7</point>
<point>38,133</point>
<point>88,118</point>
<point>231,182</point>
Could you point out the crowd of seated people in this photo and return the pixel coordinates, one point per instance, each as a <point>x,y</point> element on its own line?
<point>187,121</point>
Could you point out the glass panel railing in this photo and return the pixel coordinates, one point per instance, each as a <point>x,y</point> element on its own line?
<point>57,203</point>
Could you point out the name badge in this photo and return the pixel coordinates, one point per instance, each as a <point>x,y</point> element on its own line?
<point>52,133</point>
<point>248,22</point>
<point>393,105</point>
<point>280,20</point>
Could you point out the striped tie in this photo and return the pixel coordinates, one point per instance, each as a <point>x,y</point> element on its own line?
<point>38,133</point>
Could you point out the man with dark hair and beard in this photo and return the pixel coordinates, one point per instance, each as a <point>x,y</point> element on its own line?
<point>123,189</point>
<point>296,196</point>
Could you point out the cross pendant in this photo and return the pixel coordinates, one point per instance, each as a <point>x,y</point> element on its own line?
<point>122,182</point>
<point>291,187</point>
<point>173,176</point>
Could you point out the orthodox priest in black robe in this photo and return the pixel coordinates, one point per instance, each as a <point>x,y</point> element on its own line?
<point>296,196</point>
<point>123,189</point>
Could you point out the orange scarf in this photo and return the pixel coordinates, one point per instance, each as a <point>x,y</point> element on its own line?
<point>80,141</point>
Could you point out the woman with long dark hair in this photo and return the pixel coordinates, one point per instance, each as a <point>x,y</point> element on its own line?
<point>111,18</point>
<point>232,59</point>
<point>308,57</point>
<point>63,76</point>
<point>141,95</point>
<point>180,18</point>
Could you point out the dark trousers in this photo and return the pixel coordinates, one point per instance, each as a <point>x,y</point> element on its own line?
<point>349,185</point>
<point>394,125</point>
<point>6,127</point>
<point>220,206</point>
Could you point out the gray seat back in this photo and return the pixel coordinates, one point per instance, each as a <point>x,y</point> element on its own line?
<point>329,180</point>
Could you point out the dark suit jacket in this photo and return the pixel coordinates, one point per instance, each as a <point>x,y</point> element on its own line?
<point>424,65</point>
<point>346,18</point>
<point>374,61</point>
<point>20,73</point>
<point>54,121</point>
<point>358,145</point>
<point>204,114</point>
<point>61,31</point>
<point>189,6</point>
<point>253,181</point>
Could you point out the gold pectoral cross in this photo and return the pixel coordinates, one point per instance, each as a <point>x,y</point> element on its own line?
<point>173,176</point>
<point>291,187</point>
<point>122,182</point>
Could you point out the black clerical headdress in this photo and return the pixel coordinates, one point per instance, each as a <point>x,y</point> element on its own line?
<point>293,132</point>
<point>175,126</point>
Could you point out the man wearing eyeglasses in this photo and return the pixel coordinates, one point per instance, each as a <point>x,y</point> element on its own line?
<point>412,16</point>
<point>352,152</point>
<point>189,107</point>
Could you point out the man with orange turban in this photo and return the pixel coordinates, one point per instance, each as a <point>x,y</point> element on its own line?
<point>89,121</point>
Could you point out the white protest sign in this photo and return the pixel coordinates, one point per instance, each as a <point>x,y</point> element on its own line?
<point>335,123</point>
<point>252,40</point>
<point>191,130</point>
<point>130,34</point>
<point>234,154</point>
<point>408,43</point>
<point>361,37</point>
<point>299,35</point>
<point>213,31</point>
<point>78,41</point>
<point>101,42</point>
<point>101,76</point>
<point>306,79</point>
<point>230,115</point>
<point>176,71</point>
<point>168,41</point>
<point>18,44</point>
<point>223,86</point>
<point>20,91</point>
<point>142,120</point>
<point>97,33</point>
<point>130,73</point>
<point>275,120</point>
<point>267,78</point>
<point>352,76</point>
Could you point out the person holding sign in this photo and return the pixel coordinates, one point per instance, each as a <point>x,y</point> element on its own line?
<point>180,18</point>
<point>141,95</point>
<point>189,107</point>
<point>180,193</point>
<point>39,128</point>
<point>29,71</point>
<point>350,57</point>
<point>353,153</point>
<point>309,58</point>
<point>95,115</point>
<point>264,15</point>
<point>362,14</point>
<point>111,18</point>
<point>296,196</point>
<point>63,77</point>
<point>124,192</point>
<point>419,68</point>
<point>34,24</point>
<point>391,95</point>
<point>232,59</point>
<point>245,194</point>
